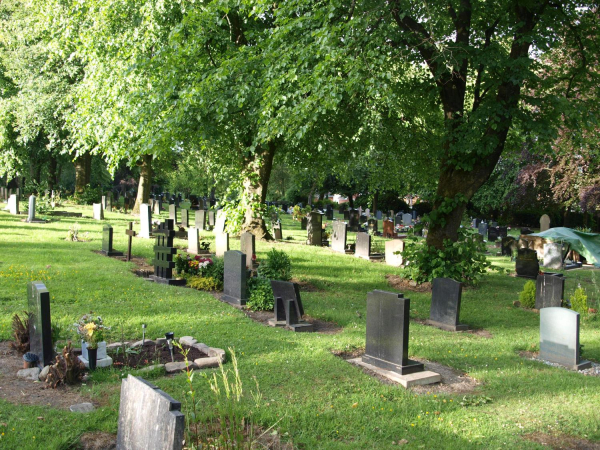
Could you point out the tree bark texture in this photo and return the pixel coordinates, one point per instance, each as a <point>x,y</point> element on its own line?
<point>83,169</point>
<point>144,185</point>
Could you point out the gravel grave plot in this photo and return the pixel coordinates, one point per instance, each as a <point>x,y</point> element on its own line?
<point>151,353</point>
<point>593,371</point>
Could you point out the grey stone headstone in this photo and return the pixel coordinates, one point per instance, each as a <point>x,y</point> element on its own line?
<point>185,222</point>
<point>193,240</point>
<point>314,229</point>
<point>247,247</point>
<point>388,316</point>
<point>173,213</point>
<point>445,304</point>
<point>200,219</point>
<point>31,212</point>
<point>526,264</point>
<point>277,231</point>
<point>13,204</point>
<point>398,219</point>
<point>98,211</point>
<point>108,205</point>
<point>372,223</point>
<point>353,220</point>
<point>549,290</point>
<point>211,218</point>
<point>149,419</point>
<point>395,245</point>
<point>288,307</point>
<point>559,338</point>
<point>379,215</point>
<point>40,325</point>
<point>221,244</point>
<point>368,213</point>
<point>363,245</point>
<point>544,222</point>
<point>407,219</point>
<point>329,212</point>
<point>107,241</point>
<point>553,256</point>
<point>234,279</point>
<point>483,227</point>
<point>220,222</point>
<point>145,221</point>
<point>509,244</point>
<point>157,206</point>
<point>338,236</point>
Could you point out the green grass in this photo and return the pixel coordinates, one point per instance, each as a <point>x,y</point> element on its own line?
<point>304,387</point>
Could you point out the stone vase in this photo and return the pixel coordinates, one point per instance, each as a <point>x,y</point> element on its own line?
<point>92,353</point>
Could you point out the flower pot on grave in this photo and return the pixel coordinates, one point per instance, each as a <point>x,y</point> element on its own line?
<point>92,353</point>
<point>101,354</point>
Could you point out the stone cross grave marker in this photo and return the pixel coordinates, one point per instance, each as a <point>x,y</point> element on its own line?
<point>277,231</point>
<point>185,214</point>
<point>40,325</point>
<point>211,218</point>
<point>149,419</point>
<point>482,228</point>
<point>372,224</point>
<point>145,221</point>
<point>13,204</point>
<point>164,251</point>
<point>200,219</point>
<point>193,240</point>
<point>107,241</point>
<point>544,222</point>
<point>130,235</point>
<point>173,213</point>
<point>314,229</point>
<point>553,256</point>
<point>363,246</point>
<point>549,291</point>
<point>234,285</point>
<point>247,247</point>
<point>387,333</point>
<point>407,219</point>
<point>526,264</point>
<point>391,247</point>
<point>98,211</point>
<point>288,307</point>
<point>445,305</point>
<point>559,338</point>
<point>338,236</point>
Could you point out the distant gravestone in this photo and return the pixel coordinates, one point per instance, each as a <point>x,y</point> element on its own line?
<point>508,246</point>
<point>163,255</point>
<point>211,218</point>
<point>368,213</point>
<point>314,229</point>
<point>157,206</point>
<point>126,204</point>
<point>379,215</point>
<point>346,214</point>
<point>372,224</point>
<point>407,219</point>
<point>475,223</point>
<point>388,316</point>
<point>200,219</point>
<point>130,234</point>
<point>248,247</point>
<point>234,279</point>
<point>329,212</point>
<point>398,219</point>
<point>288,307</point>
<point>98,211</point>
<point>502,232</point>
<point>338,236</point>
<point>445,304</point>
<point>363,245</point>
<point>559,338</point>
<point>185,222</point>
<point>353,220</point>
<point>193,240</point>
<point>549,291</point>
<point>553,256</point>
<point>388,229</point>
<point>145,221</point>
<point>107,242</point>
<point>482,228</point>
<point>526,230</point>
<point>13,204</point>
<point>544,222</point>
<point>492,234</point>
<point>220,222</point>
<point>149,419</point>
<point>391,247</point>
<point>221,244</point>
<point>31,211</point>
<point>108,204</point>
<point>526,264</point>
<point>40,325</point>
<point>173,213</point>
<point>277,231</point>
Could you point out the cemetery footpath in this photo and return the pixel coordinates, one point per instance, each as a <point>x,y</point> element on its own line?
<point>309,393</point>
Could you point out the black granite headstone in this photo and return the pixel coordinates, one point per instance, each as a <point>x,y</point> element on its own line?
<point>388,317</point>
<point>445,304</point>
<point>164,251</point>
<point>353,223</point>
<point>492,234</point>
<point>549,290</point>
<point>287,296</point>
<point>40,325</point>
<point>502,232</point>
<point>107,242</point>
<point>235,274</point>
<point>346,214</point>
<point>526,264</point>
<point>329,212</point>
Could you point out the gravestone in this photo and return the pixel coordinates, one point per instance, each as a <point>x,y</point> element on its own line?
<point>388,316</point>
<point>363,246</point>
<point>149,419</point>
<point>553,256</point>
<point>559,338</point>
<point>219,224</point>
<point>502,232</point>
<point>398,219</point>
<point>103,202</point>
<point>185,222</point>
<point>368,213</point>
<point>145,221</point>
<point>130,235</point>
<point>108,204</point>
<point>157,206</point>
<point>493,224</point>
<point>314,229</point>
<point>98,211</point>
<point>200,219</point>
<point>346,214</point>
<point>482,228</point>
<point>379,215</point>
<point>475,223</point>
<point>304,223</point>
<point>107,242</point>
<point>164,251</point>
<point>193,240</point>
<point>221,244</point>
<point>549,291</point>
<point>353,220</point>
<point>445,304</point>
<point>508,246</point>
<point>234,279</point>
<point>40,325</point>
<point>526,264</point>
<point>395,245</point>
<point>492,234</point>
<point>372,224</point>
<point>544,222</point>
<point>288,307</point>
<point>277,231</point>
<point>211,218</point>
<point>31,212</point>
<point>13,204</point>
<point>388,229</point>
<point>391,214</point>
<point>329,212</point>
<point>407,219</point>
<point>173,213</point>
<point>338,236</point>
<point>526,230</point>
<point>126,204</point>
<point>247,247</point>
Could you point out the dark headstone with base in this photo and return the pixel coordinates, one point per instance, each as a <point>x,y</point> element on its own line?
<point>502,232</point>
<point>288,307</point>
<point>329,212</point>
<point>234,279</point>
<point>492,234</point>
<point>526,264</point>
<point>353,220</point>
<point>388,316</point>
<point>164,251</point>
<point>149,419</point>
<point>559,338</point>
<point>107,242</point>
<point>338,236</point>
<point>445,305</point>
<point>549,290</point>
<point>40,325</point>
<point>314,229</point>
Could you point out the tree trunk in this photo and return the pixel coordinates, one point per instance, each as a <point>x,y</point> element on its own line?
<point>257,173</point>
<point>52,172</point>
<point>145,183</point>
<point>82,172</point>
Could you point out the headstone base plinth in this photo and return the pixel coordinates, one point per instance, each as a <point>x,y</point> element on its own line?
<point>407,381</point>
<point>583,365</point>
<point>410,367</point>
<point>169,281</point>
<point>301,327</point>
<point>233,300</point>
<point>276,323</point>
<point>446,327</point>
<point>104,362</point>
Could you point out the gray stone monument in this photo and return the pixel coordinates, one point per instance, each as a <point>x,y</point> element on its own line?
<point>193,240</point>
<point>553,256</point>
<point>107,242</point>
<point>526,264</point>
<point>145,221</point>
<point>407,219</point>
<point>40,325</point>
<point>379,215</point>
<point>200,219</point>
<point>549,291</point>
<point>288,307</point>
<point>277,231</point>
<point>482,228</point>
<point>247,247</point>
<point>445,305</point>
<point>363,246</point>
<point>220,222</point>
<point>338,236</point>
<point>31,212</point>
<point>157,206</point>
<point>211,218</point>
<point>185,214</point>
<point>234,279</point>
<point>559,338</point>
<point>149,419</point>
<point>13,204</point>
<point>173,213</point>
<point>544,222</point>
<point>98,211</point>
<point>314,229</point>
<point>391,247</point>
<point>221,244</point>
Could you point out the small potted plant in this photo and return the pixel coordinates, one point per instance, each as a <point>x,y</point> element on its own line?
<point>91,331</point>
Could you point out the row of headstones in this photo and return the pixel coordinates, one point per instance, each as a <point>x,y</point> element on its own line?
<point>482,226</point>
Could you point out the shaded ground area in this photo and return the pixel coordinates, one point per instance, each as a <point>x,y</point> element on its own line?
<point>402,284</point>
<point>561,441</point>
<point>320,326</point>
<point>476,331</point>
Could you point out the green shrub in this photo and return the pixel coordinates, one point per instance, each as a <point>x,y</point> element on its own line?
<point>463,260</point>
<point>89,196</point>
<point>205,283</point>
<point>260,294</point>
<point>579,301</point>
<point>276,267</point>
<point>216,270</point>
<point>527,295</point>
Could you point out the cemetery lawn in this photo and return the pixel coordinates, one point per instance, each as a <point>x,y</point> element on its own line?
<point>312,397</point>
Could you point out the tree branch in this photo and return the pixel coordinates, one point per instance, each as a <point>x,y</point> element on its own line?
<point>488,38</point>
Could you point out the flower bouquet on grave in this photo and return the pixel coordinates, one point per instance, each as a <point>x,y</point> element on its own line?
<point>203,264</point>
<point>91,330</point>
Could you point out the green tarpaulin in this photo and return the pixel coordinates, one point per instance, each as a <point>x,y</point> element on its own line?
<point>586,244</point>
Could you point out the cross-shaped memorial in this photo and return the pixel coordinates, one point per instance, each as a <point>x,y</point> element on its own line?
<point>130,233</point>
<point>164,251</point>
